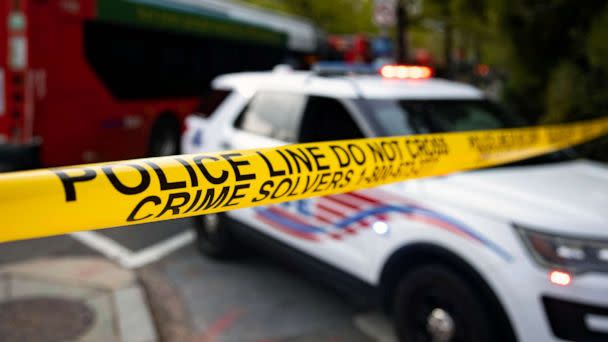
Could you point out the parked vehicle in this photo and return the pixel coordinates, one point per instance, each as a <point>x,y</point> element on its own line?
<point>89,81</point>
<point>518,251</point>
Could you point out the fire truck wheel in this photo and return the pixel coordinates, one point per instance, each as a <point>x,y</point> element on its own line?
<point>434,303</point>
<point>164,137</point>
<point>213,237</point>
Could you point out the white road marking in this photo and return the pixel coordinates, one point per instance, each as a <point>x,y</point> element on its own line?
<point>127,258</point>
<point>159,250</point>
<point>106,246</point>
<point>376,326</point>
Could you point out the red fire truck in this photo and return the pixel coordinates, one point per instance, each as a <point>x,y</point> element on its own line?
<point>94,80</point>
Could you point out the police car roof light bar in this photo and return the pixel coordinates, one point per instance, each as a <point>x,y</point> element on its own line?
<point>329,69</point>
<point>415,72</point>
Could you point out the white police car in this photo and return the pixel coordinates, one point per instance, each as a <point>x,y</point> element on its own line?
<point>512,252</point>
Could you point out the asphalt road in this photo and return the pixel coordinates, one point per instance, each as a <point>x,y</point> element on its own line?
<point>250,299</point>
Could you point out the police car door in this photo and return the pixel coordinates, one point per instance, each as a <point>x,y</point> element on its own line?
<point>341,228</point>
<point>272,119</point>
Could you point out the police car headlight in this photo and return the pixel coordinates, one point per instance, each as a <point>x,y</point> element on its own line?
<point>576,255</point>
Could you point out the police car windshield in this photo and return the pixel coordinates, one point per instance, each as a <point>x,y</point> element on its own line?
<point>404,117</point>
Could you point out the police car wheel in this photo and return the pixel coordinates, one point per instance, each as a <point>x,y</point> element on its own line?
<point>433,303</point>
<point>213,237</point>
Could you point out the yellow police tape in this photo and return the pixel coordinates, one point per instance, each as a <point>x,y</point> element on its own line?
<point>55,201</point>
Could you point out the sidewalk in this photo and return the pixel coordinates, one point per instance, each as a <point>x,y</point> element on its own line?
<point>75,299</point>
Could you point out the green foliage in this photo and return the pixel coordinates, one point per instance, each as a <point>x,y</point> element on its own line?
<point>597,42</point>
<point>543,36</point>
<point>336,16</point>
<point>467,15</point>
<point>557,60</point>
<point>566,93</point>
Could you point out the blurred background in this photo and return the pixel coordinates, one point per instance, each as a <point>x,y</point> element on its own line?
<point>90,81</point>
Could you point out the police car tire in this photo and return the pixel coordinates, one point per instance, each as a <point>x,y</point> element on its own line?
<point>435,286</point>
<point>214,238</point>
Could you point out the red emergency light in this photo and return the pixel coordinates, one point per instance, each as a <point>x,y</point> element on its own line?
<point>415,72</point>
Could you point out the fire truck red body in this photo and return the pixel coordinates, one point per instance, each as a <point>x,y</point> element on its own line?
<point>95,80</point>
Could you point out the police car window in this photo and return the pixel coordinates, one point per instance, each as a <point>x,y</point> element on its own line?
<point>272,114</point>
<point>394,117</point>
<point>458,116</point>
<point>432,116</point>
<point>327,119</point>
<point>211,101</point>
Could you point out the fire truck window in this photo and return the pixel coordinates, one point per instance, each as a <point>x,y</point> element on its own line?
<point>273,114</point>
<point>135,63</point>
<point>327,119</point>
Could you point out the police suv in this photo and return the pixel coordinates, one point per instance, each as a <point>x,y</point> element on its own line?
<point>515,252</point>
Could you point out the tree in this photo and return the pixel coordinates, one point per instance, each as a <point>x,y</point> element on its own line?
<point>556,58</point>
<point>547,43</point>
<point>336,16</point>
<point>464,26</point>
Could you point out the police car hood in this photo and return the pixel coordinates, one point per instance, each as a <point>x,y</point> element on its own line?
<point>568,197</point>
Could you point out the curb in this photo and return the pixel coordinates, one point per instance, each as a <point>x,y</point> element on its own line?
<point>168,311</point>
<point>48,295</point>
